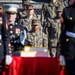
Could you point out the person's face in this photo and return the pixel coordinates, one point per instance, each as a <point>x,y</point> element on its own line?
<point>11,17</point>
<point>59,13</point>
<point>71,2</point>
<point>35,27</point>
<point>53,1</point>
<point>30,11</point>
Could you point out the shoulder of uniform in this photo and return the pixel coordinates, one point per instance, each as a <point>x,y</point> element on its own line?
<point>18,24</point>
<point>28,34</point>
<point>46,4</point>
<point>66,8</point>
<point>23,17</point>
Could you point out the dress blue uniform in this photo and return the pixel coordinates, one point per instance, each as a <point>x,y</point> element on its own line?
<point>15,30</point>
<point>4,41</point>
<point>4,38</point>
<point>67,38</point>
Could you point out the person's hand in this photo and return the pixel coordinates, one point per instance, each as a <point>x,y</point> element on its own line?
<point>8,59</point>
<point>62,60</point>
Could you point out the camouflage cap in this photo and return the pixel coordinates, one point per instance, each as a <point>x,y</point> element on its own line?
<point>24,2</point>
<point>59,9</point>
<point>35,22</point>
<point>29,7</point>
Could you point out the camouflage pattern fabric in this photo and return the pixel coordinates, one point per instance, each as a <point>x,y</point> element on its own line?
<point>49,10</point>
<point>54,33</point>
<point>51,26</point>
<point>26,22</point>
<point>1,5</point>
<point>37,39</point>
<point>23,14</point>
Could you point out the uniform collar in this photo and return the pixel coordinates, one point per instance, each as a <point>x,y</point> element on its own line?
<point>11,23</point>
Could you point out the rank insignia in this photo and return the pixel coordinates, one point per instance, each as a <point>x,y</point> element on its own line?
<point>70,18</point>
<point>67,39</point>
<point>10,26</point>
<point>11,31</point>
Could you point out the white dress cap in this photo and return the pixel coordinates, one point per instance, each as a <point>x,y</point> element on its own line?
<point>12,8</point>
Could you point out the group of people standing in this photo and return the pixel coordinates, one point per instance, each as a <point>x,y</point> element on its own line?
<point>54,31</point>
<point>65,45</point>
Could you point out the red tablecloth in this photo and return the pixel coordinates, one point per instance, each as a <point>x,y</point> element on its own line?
<point>33,66</point>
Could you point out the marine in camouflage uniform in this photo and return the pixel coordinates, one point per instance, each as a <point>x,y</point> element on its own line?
<point>24,5</point>
<point>49,24</point>
<point>27,20</point>
<point>54,33</point>
<point>49,11</point>
<point>36,37</point>
<point>23,12</point>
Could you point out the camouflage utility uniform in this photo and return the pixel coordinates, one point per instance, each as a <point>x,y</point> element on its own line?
<point>37,39</point>
<point>54,33</point>
<point>49,11</point>
<point>26,22</point>
<point>50,25</point>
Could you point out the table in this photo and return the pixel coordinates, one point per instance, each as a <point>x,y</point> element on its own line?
<point>33,66</point>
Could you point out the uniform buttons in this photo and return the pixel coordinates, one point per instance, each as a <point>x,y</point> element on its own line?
<point>67,39</point>
<point>70,18</point>
<point>11,31</point>
<point>10,36</point>
<point>11,27</point>
<point>0,44</point>
<point>11,41</point>
<point>16,23</point>
<point>18,34</point>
